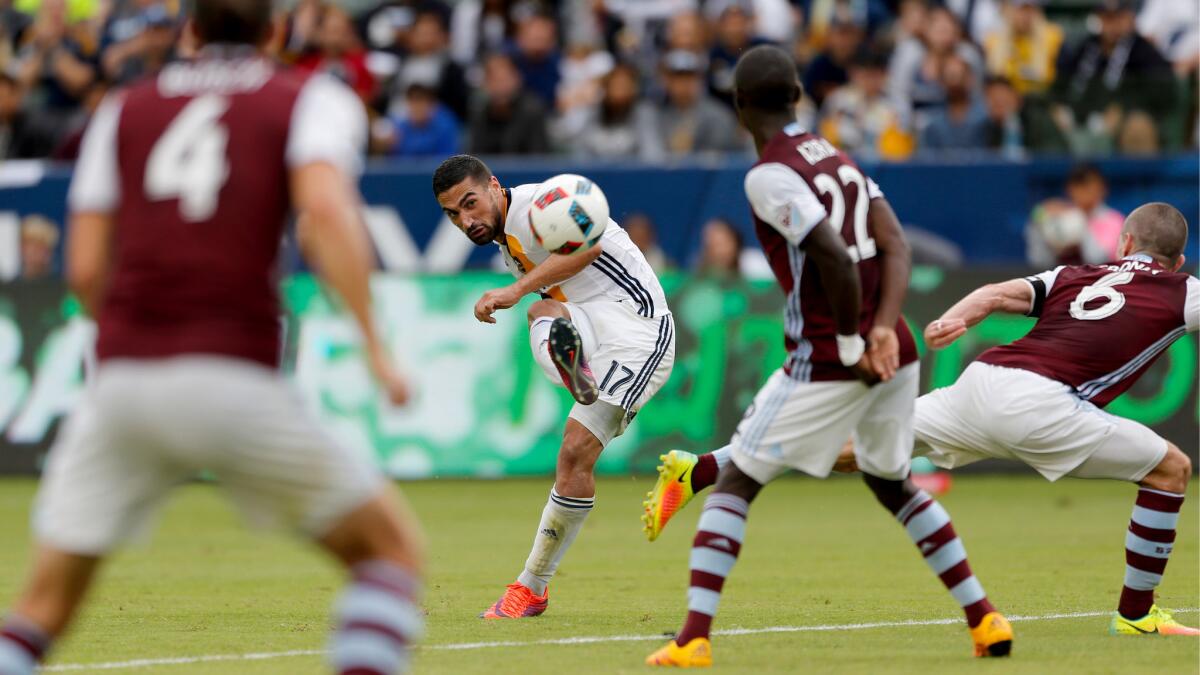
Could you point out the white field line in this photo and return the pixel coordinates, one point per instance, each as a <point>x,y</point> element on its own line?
<point>582,640</point>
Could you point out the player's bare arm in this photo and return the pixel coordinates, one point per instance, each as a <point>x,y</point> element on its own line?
<point>1014,296</point>
<point>337,246</point>
<point>556,269</point>
<point>883,347</point>
<point>89,258</point>
<point>826,248</point>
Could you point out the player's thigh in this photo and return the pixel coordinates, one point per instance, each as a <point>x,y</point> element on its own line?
<point>883,438</point>
<point>105,477</point>
<point>604,420</point>
<point>634,355</point>
<point>796,425</point>
<point>1129,452</point>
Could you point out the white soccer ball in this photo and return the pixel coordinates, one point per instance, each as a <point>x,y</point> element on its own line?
<point>568,214</point>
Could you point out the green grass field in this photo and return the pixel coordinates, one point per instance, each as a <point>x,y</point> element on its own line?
<point>817,554</point>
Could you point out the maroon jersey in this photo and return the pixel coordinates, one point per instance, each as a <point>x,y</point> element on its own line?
<point>194,167</point>
<point>1100,327</point>
<point>799,181</point>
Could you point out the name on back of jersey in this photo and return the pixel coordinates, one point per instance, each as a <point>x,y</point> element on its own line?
<point>816,150</point>
<point>1135,265</point>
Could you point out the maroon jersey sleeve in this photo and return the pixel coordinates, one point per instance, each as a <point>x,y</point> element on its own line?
<point>800,181</point>
<point>1100,327</point>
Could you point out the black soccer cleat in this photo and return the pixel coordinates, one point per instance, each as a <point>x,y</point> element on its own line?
<point>566,351</point>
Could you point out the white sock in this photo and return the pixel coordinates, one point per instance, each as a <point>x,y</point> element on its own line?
<point>561,521</point>
<point>539,337</point>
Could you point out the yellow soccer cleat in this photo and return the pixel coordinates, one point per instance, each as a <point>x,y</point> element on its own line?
<point>695,654</point>
<point>1157,621</point>
<point>993,636</point>
<point>671,492</point>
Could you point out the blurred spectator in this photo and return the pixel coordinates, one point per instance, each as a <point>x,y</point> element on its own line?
<point>828,70</point>
<point>505,119</point>
<point>1013,127</point>
<point>644,235</point>
<point>141,44</point>
<point>536,55</point>
<point>580,88</point>
<point>427,128</point>
<point>774,20</point>
<point>734,20</point>
<point>978,17</point>
<point>1108,75</point>
<point>1174,27</point>
<point>428,63</point>
<point>690,120</point>
<point>962,123</point>
<point>52,66</point>
<point>821,15</point>
<point>479,27</point>
<point>67,149</point>
<point>915,71</point>
<point>1081,229</point>
<point>687,31</point>
<point>22,135</point>
<point>336,49</point>
<point>720,250</point>
<point>39,240</point>
<point>1024,47</point>
<point>621,125</point>
<point>860,117</point>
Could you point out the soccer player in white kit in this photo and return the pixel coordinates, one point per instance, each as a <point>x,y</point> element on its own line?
<point>602,307</point>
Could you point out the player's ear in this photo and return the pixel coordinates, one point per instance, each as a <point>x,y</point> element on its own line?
<point>1179,262</point>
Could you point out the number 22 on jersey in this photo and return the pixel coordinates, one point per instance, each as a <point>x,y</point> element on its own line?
<point>188,162</point>
<point>864,245</point>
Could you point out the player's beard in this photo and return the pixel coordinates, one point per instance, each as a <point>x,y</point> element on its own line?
<point>484,234</point>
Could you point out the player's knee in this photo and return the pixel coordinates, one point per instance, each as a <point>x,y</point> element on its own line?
<point>1172,473</point>
<point>579,452</point>
<point>552,308</point>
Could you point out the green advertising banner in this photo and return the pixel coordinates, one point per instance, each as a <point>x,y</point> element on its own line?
<point>483,407</point>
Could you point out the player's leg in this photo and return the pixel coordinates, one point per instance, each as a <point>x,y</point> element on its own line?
<point>883,449</point>
<point>561,343</point>
<point>55,589</point>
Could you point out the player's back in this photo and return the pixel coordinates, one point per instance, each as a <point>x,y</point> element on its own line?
<point>1100,327</point>
<point>830,187</point>
<point>200,153</point>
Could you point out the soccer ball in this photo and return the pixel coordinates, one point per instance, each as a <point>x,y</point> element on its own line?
<point>569,214</point>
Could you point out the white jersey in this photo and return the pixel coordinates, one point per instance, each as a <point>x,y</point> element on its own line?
<point>620,274</point>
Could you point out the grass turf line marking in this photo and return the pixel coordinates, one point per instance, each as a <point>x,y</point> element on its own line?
<point>583,640</point>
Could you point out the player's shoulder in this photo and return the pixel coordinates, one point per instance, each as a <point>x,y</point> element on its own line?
<point>516,221</point>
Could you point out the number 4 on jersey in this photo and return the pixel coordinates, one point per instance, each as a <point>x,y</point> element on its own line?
<point>188,162</point>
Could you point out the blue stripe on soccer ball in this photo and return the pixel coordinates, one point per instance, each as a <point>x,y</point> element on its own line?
<point>581,218</point>
<point>583,187</point>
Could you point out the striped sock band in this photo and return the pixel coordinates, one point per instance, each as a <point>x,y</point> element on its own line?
<point>378,617</point>
<point>708,468</point>
<point>1148,544</point>
<point>22,646</point>
<point>714,550</point>
<point>929,527</point>
<point>562,519</point>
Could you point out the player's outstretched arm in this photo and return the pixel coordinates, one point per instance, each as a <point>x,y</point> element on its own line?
<point>555,270</point>
<point>883,346</point>
<point>1014,296</point>
<point>336,245</point>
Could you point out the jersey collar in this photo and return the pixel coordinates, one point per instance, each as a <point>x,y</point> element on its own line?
<point>1140,257</point>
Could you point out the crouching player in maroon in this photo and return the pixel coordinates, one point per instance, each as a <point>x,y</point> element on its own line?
<point>178,204</point>
<point>1039,400</point>
<point>840,257</point>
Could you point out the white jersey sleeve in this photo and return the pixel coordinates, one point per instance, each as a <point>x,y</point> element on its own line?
<point>781,198</point>
<point>95,186</point>
<point>873,189</point>
<point>1191,306</point>
<point>1039,286</point>
<point>328,124</point>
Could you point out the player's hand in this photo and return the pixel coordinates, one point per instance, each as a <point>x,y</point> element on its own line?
<point>883,351</point>
<point>865,371</point>
<point>391,380</point>
<point>493,300</point>
<point>940,333</point>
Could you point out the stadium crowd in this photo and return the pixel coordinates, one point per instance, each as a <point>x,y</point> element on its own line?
<point>651,78</point>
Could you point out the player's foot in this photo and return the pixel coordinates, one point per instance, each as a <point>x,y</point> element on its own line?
<point>695,654</point>
<point>672,491</point>
<point>1158,621</point>
<point>566,350</point>
<point>993,636</point>
<point>518,602</point>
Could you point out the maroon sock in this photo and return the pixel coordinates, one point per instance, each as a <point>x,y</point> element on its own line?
<point>714,551</point>
<point>1148,544</point>
<point>705,472</point>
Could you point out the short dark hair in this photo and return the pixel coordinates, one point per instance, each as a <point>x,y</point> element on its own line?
<point>1158,229</point>
<point>766,78</point>
<point>456,169</point>
<point>1084,173</point>
<point>997,81</point>
<point>232,21</point>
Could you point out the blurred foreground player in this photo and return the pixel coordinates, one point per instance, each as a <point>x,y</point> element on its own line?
<point>178,204</point>
<point>1039,399</point>
<point>839,254</point>
<point>603,306</point>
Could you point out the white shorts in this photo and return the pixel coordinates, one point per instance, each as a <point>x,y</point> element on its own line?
<point>631,357</point>
<point>803,426</point>
<point>144,427</point>
<point>1008,413</point>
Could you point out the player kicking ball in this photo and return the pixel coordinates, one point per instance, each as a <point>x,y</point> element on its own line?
<point>1039,400</point>
<point>601,307</point>
<point>838,253</point>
